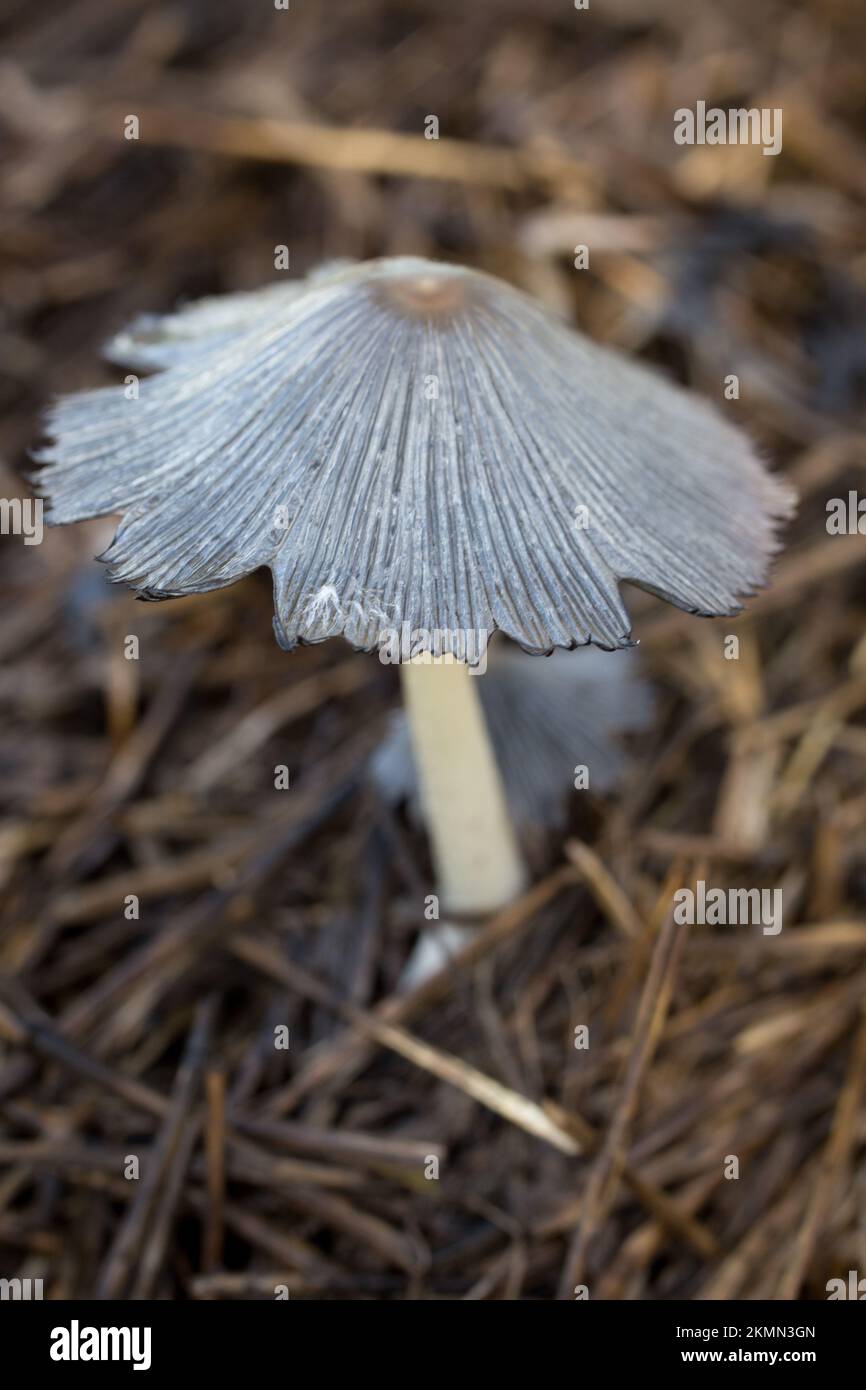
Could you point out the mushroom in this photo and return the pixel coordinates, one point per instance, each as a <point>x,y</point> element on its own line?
<point>421,455</point>
<point>544,718</point>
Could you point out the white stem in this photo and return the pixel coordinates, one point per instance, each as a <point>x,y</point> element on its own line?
<point>475,853</point>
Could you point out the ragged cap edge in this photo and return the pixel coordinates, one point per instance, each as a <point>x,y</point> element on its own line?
<point>586,608</point>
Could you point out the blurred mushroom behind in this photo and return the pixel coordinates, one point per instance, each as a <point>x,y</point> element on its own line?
<point>544,718</point>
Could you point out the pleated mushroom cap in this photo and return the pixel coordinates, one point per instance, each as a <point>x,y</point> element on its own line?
<point>405,442</point>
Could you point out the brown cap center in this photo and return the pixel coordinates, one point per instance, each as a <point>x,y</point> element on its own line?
<point>426,296</point>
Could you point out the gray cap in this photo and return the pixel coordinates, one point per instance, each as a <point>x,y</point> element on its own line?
<point>406,442</point>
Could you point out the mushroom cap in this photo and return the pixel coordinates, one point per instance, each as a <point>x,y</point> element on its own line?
<point>404,442</point>
<point>544,718</point>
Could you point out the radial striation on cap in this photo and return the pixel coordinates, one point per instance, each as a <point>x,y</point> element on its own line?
<point>406,442</point>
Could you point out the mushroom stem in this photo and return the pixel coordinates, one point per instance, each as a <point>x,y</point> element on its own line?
<point>478,864</point>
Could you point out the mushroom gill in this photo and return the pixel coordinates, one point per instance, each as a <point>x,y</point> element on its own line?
<point>406,442</point>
